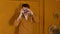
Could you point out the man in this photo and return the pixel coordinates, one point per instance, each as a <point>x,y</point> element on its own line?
<point>25,12</point>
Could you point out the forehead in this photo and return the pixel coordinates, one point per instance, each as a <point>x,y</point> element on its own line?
<point>24,7</point>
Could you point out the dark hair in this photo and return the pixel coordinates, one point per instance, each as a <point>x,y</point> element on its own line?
<point>25,5</point>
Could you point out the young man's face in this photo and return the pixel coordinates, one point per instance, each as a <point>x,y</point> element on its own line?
<point>24,8</point>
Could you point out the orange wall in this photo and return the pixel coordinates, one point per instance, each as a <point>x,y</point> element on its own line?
<point>7,9</point>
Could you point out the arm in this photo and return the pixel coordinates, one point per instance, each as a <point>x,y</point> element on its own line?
<point>32,16</point>
<point>19,17</point>
<point>17,21</point>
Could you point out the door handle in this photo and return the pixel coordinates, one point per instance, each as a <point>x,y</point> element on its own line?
<point>56,14</point>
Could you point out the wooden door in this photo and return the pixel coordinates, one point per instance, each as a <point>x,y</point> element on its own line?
<point>51,6</point>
